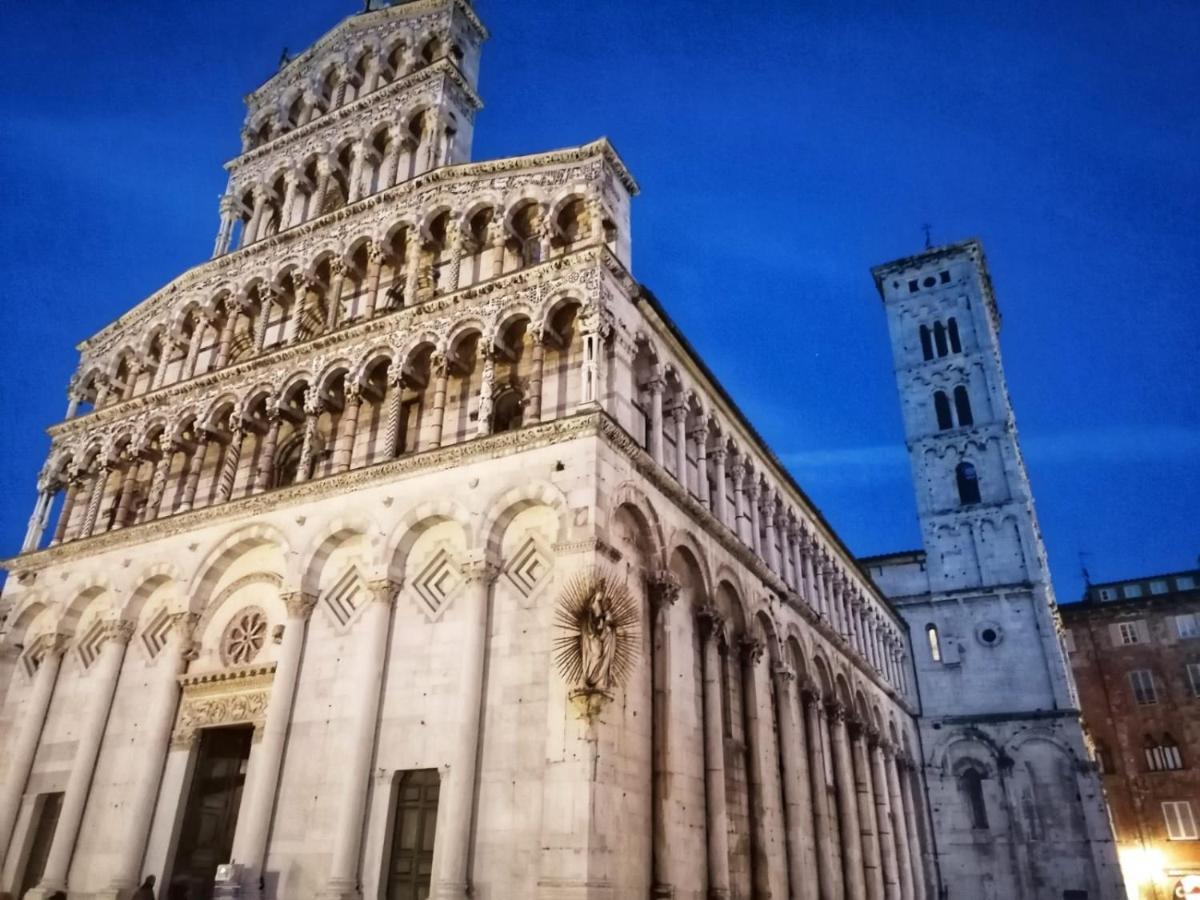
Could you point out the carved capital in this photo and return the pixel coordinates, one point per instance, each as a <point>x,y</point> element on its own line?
<point>783,673</point>
<point>480,571</point>
<point>664,589</point>
<point>53,643</point>
<point>712,623</point>
<point>836,711</point>
<point>384,591</point>
<point>809,691</point>
<point>118,630</point>
<point>300,604</point>
<point>752,650</point>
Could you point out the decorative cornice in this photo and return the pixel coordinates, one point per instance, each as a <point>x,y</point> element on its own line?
<point>220,680</point>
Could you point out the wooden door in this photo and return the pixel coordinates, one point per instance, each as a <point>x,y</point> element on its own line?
<point>411,868</point>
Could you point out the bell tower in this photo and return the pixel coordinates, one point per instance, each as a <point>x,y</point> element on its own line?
<point>1003,743</point>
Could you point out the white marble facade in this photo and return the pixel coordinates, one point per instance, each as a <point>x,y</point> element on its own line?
<point>303,546</point>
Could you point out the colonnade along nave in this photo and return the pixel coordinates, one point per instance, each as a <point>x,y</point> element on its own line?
<point>848,788</point>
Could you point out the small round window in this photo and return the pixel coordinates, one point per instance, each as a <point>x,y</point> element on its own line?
<point>989,634</point>
<point>244,636</point>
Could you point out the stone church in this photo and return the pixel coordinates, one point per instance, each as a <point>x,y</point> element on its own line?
<point>406,549</point>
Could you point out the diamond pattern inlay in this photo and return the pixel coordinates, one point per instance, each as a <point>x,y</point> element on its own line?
<point>437,584</point>
<point>529,568</point>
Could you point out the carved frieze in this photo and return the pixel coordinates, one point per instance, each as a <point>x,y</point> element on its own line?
<point>238,696</point>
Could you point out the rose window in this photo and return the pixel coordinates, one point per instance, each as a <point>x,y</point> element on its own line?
<point>244,637</point>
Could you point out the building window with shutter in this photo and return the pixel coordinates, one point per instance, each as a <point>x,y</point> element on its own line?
<point>1188,625</point>
<point>1193,675</point>
<point>1181,824</point>
<point>1142,682</point>
<point>1163,755</point>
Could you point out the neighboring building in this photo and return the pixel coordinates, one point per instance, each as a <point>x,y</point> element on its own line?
<point>407,550</point>
<point>1017,805</point>
<point>1134,646</point>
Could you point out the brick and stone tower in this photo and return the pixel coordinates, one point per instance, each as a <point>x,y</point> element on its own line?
<point>1017,805</point>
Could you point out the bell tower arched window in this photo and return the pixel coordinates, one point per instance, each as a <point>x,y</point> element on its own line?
<point>962,407</point>
<point>970,783</point>
<point>941,406</point>
<point>952,332</point>
<point>935,645</point>
<point>926,342</point>
<point>939,338</point>
<point>968,483</point>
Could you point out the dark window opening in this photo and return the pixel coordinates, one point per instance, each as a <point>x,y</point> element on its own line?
<point>939,337</point>
<point>941,405</point>
<point>970,783</point>
<point>968,483</point>
<point>962,407</point>
<point>952,330</point>
<point>912,286</point>
<point>926,342</point>
<point>944,276</point>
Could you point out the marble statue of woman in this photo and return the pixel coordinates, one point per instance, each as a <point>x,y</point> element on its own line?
<point>597,643</point>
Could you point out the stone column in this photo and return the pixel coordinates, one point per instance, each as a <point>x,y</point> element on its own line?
<point>454,269</point>
<point>664,592</point>
<point>915,851</point>
<point>162,707</point>
<point>860,736</point>
<point>700,436</point>
<point>37,521</point>
<point>712,642</point>
<point>266,458</point>
<point>741,518</point>
<point>193,350</point>
<point>337,270</point>
<point>593,387</point>
<point>412,267</point>
<point>195,465</point>
<point>721,504</point>
<point>880,753</point>
<point>324,173</point>
<point>250,839</point>
<point>230,460</point>
<point>48,651</point>
<point>487,385</point>
<point>771,550</point>
<point>375,257</point>
<point>95,497</point>
<point>95,718</point>
<point>439,366</point>
<point>309,109</point>
<point>822,820</point>
<point>451,880</point>
<point>654,440</point>
<point>533,409</point>
<point>302,300</point>
<point>228,207</point>
<point>357,154</point>
<point>125,498</point>
<point>263,318</point>
<point>679,415</point>
<point>224,341</point>
<point>752,502</point>
<point>343,447</point>
<point>852,853</point>
<point>60,527</point>
<point>766,869</point>
<point>371,642</point>
<point>899,826</point>
<point>250,235</point>
<point>387,168</point>
<point>395,398</point>
<point>313,405</point>
<point>793,755</point>
<point>498,239</point>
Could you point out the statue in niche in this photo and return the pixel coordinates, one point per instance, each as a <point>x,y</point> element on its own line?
<point>597,648</point>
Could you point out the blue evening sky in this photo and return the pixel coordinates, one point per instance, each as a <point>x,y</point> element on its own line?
<point>782,147</point>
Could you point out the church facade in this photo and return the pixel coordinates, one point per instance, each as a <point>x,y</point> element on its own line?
<point>406,549</point>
